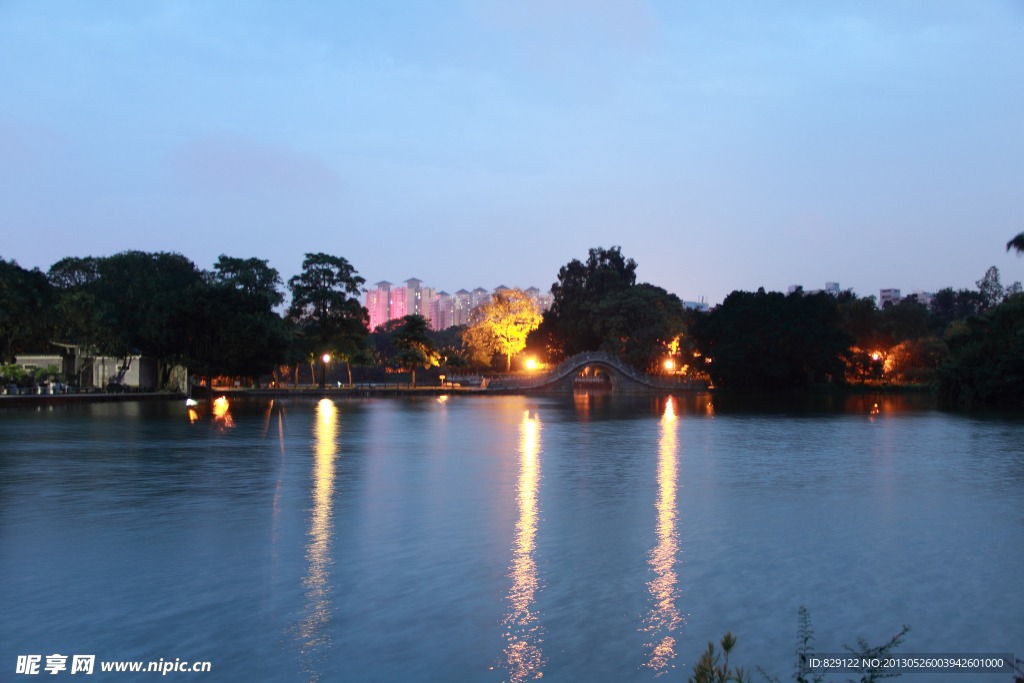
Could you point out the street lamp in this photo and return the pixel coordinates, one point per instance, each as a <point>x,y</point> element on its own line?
<point>326,358</point>
<point>669,365</point>
<point>531,364</point>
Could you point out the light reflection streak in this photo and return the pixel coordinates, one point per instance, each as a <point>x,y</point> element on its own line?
<point>313,630</point>
<point>280,477</point>
<point>664,618</point>
<point>221,412</point>
<point>582,401</point>
<point>266,423</point>
<point>523,654</point>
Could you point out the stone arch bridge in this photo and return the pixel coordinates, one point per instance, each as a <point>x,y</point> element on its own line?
<point>593,370</point>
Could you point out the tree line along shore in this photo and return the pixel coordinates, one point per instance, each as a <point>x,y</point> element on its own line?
<point>233,321</point>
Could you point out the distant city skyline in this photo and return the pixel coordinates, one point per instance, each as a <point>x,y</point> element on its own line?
<point>386,302</point>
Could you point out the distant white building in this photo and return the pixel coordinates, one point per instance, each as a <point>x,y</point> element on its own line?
<point>702,306</point>
<point>134,371</point>
<point>923,297</point>
<point>830,288</point>
<point>888,296</point>
<point>463,306</point>
<point>479,297</point>
<point>542,300</point>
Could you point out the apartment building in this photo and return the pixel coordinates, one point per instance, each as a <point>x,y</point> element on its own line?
<point>442,310</point>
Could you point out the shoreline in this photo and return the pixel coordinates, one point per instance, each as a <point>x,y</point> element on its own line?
<point>74,399</point>
<point>374,392</point>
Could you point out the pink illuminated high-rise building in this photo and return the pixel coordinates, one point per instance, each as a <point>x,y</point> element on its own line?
<point>387,302</point>
<point>442,311</point>
<point>378,304</point>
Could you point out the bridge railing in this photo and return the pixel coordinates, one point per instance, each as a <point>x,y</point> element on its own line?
<point>571,365</point>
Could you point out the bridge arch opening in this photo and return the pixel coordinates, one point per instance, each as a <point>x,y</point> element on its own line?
<point>592,378</point>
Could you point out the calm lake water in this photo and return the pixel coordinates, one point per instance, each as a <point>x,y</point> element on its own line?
<point>505,538</point>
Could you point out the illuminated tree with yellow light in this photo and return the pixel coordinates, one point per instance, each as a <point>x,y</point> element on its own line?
<point>502,325</point>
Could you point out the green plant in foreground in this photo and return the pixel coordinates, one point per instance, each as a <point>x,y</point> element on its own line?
<point>708,669</point>
<point>805,650</point>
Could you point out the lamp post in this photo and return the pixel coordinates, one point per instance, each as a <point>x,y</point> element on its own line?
<point>323,370</point>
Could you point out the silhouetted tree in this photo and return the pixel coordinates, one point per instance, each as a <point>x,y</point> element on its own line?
<point>142,306</point>
<point>766,340</point>
<point>987,361</point>
<point>325,308</point>
<point>414,344</point>
<point>1017,244</point>
<point>639,324</point>
<point>990,288</point>
<point>234,329</point>
<point>949,305</point>
<point>570,324</point>
<point>26,298</point>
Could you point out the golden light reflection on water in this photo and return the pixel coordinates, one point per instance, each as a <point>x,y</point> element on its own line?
<point>313,633</point>
<point>664,618</point>
<point>221,412</point>
<point>523,654</point>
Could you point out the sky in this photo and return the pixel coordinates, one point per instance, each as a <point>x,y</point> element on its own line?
<point>723,145</point>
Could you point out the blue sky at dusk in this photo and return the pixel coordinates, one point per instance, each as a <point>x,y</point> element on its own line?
<point>723,145</point>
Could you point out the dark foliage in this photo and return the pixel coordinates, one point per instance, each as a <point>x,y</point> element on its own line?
<point>597,306</point>
<point>766,340</point>
<point>571,325</point>
<point>987,361</point>
<point>415,347</point>
<point>142,304</point>
<point>234,330</point>
<point>805,651</point>
<point>712,668</point>
<point>325,313</point>
<point>251,276</point>
<point>26,298</point>
<point>638,324</point>
<point>874,329</point>
<point>161,305</point>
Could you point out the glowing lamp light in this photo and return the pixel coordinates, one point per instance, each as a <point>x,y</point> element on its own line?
<point>531,364</point>
<point>874,356</point>
<point>220,411</point>
<point>326,358</point>
<point>669,365</point>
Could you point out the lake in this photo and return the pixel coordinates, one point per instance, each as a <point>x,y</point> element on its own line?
<point>505,538</point>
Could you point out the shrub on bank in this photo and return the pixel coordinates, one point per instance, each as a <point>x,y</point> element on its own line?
<point>987,356</point>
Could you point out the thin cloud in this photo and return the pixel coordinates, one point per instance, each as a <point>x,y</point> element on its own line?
<point>25,145</point>
<point>237,166</point>
<point>627,24</point>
